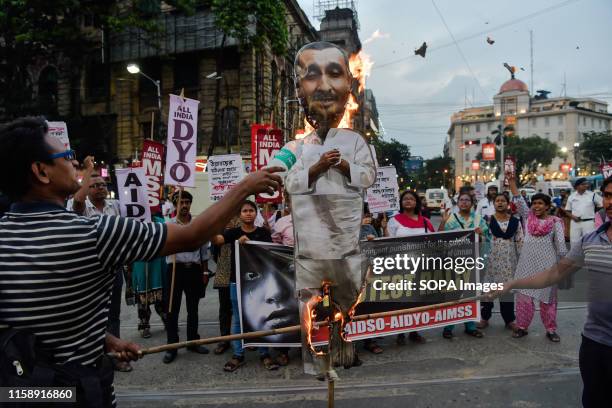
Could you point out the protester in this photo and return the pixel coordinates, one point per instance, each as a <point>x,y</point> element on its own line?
<point>524,195</point>
<point>601,218</point>
<point>190,273</point>
<point>408,222</point>
<point>560,203</point>
<point>92,199</point>
<point>425,211</point>
<point>544,245</point>
<point>486,206</point>
<point>466,218</point>
<point>506,244</point>
<point>76,257</point>
<point>223,258</point>
<point>367,232</point>
<point>147,282</point>
<point>594,253</point>
<point>581,207</point>
<point>247,231</point>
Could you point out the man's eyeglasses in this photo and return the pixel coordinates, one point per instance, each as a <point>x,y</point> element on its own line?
<point>68,155</point>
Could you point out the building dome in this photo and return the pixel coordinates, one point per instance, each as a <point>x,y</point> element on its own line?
<point>513,85</point>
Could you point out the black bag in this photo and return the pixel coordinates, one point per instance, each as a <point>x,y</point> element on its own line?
<point>22,364</point>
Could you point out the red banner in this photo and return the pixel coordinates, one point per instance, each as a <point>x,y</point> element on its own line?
<point>265,143</point>
<point>386,326</point>
<point>152,161</point>
<point>565,167</point>
<point>606,170</point>
<point>488,152</point>
<point>475,164</point>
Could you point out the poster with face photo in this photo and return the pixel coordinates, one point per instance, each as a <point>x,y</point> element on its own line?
<point>265,282</point>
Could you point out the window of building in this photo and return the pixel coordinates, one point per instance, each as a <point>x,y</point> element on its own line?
<point>533,135</point>
<point>560,120</point>
<point>547,135</point>
<point>534,122</point>
<point>227,127</point>
<point>489,126</point>
<point>478,127</point>
<point>599,120</point>
<point>466,129</point>
<point>97,77</point>
<point>467,157</point>
<point>186,71</point>
<point>592,122</point>
<point>47,90</point>
<point>584,121</point>
<point>560,136</point>
<point>547,121</point>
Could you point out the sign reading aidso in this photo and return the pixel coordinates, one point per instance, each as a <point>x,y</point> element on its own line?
<point>133,194</point>
<point>182,141</point>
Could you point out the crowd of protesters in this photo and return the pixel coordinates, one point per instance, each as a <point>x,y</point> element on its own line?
<point>66,254</point>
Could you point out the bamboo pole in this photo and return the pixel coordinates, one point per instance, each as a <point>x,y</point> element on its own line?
<point>296,328</point>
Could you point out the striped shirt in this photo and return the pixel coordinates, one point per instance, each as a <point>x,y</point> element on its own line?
<point>594,252</point>
<point>57,273</point>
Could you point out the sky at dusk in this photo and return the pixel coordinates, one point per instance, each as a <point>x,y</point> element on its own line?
<point>416,96</point>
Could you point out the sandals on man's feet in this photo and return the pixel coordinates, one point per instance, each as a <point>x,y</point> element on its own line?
<point>373,348</point>
<point>233,364</point>
<point>518,333</point>
<point>221,348</point>
<point>475,333</point>
<point>269,364</point>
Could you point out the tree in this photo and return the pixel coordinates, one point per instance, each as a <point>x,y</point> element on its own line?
<point>393,153</point>
<point>435,173</point>
<point>35,31</point>
<point>595,147</point>
<point>530,151</point>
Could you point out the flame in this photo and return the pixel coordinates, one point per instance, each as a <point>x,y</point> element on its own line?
<point>360,65</point>
<point>310,317</point>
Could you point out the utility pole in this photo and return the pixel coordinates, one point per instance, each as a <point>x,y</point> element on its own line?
<point>531,63</point>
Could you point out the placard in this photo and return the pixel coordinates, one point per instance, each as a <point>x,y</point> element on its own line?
<point>224,172</point>
<point>384,194</point>
<point>152,161</point>
<point>133,195</point>
<point>182,141</point>
<point>60,131</point>
<point>265,143</point>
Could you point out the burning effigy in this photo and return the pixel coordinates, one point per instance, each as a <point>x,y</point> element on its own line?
<point>328,172</point>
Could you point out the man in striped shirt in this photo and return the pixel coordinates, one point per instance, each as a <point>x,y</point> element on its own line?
<point>56,268</point>
<point>594,253</point>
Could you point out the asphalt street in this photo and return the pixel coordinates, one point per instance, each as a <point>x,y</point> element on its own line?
<point>495,371</point>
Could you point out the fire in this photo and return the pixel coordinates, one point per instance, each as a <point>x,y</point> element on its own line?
<point>310,317</point>
<point>360,65</point>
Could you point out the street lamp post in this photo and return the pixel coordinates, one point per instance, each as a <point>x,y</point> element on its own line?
<point>576,147</point>
<point>135,69</point>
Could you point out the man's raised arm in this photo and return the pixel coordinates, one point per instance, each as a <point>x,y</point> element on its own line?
<point>211,222</point>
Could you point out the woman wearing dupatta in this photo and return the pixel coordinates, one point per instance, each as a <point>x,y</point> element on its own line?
<point>466,218</point>
<point>544,245</point>
<point>409,221</point>
<point>506,243</point>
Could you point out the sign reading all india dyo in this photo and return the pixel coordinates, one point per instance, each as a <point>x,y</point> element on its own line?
<point>182,141</point>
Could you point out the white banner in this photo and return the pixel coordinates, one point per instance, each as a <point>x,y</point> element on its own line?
<point>59,130</point>
<point>182,142</point>
<point>224,172</point>
<point>133,194</point>
<point>384,193</point>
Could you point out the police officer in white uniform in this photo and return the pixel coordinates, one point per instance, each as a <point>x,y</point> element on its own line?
<point>581,206</point>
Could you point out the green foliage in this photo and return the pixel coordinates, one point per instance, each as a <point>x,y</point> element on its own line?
<point>530,151</point>
<point>253,21</point>
<point>392,153</point>
<point>595,146</point>
<point>433,174</point>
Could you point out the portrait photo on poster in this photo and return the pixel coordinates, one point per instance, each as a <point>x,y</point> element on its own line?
<point>265,283</point>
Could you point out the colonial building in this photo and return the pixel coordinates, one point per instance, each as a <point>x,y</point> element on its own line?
<point>561,120</point>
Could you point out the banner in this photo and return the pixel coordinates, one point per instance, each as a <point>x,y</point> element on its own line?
<point>182,141</point>
<point>133,194</point>
<point>224,172</point>
<point>265,143</point>
<point>488,152</point>
<point>151,159</point>
<point>60,131</point>
<point>606,170</point>
<point>448,270</point>
<point>475,164</point>
<point>509,169</point>
<point>384,194</point>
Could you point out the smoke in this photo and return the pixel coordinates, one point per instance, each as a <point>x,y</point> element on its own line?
<point>377,35</point>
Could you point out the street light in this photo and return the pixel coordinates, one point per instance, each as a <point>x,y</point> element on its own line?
<point>564,149</point>
<point>135,69</point>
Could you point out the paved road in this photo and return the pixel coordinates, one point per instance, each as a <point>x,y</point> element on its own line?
<point>496,371</point>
